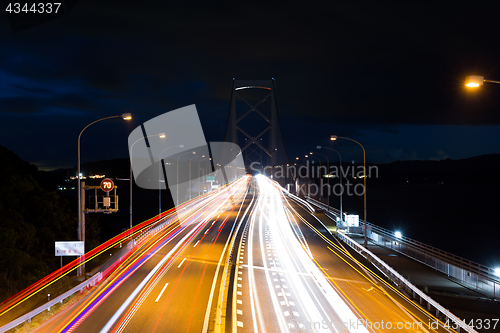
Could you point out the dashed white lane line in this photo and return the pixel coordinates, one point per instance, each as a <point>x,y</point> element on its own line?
<point>196,243</point>
<point>239,312</point>
<point>181,263</point>
<point>161,293</point>
<point>240,324</point>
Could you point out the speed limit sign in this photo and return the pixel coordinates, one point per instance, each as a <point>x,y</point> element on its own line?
<point>107,185</point>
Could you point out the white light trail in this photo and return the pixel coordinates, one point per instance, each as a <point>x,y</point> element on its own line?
<point>295,259</point>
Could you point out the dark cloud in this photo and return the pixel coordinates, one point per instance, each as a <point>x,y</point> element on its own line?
<point>19,105</point>
<point>30,104</point>
<point>342,68</point>
<point>389,130</point>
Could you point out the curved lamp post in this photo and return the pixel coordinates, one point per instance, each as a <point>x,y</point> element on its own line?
<point>81,226</point>
<point>340,178</point>
<point>160,163</point>
<point>334,138</point>
<point>198,173</point>
<point>161,136</point>
<point>328,170</point>
<point>310,155</point>
<point>190,188</point>
<point>178,171</point>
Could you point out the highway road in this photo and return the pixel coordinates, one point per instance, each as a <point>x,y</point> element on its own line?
<point>170,283</point>
<point>288,275</point>
<point>292,278</point>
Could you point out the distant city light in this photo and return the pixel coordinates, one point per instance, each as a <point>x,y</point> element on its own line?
<point>398,234</point>
<point>83,177</point>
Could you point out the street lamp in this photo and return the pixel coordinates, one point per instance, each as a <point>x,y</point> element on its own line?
<point>474,81</point>
<point>81,225</point>
<point>198,173</point>
<point>160,164</point>
<point>340,179</point>
<point>178,174</point>
<point>334,138</point>
<point>310,155</point>
<point>190,188</point>
<point>161,136</point>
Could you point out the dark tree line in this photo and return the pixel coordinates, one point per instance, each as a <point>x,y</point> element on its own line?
<point>32,218</point>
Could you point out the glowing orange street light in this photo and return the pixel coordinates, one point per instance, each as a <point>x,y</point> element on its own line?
<point>474,81</point>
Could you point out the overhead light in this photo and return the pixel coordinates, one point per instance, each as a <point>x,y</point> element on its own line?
<point>474,81</point>
<point>127,116</point>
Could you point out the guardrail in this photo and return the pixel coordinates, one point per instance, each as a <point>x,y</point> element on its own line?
<point>27,317</point>
<point>97,274</point>
<point>481,277</point>
<point>400,280</point>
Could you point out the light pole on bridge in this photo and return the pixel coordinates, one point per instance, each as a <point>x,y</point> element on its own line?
<point>340,178</point>
<point>81,223</point>
<point>334,138</point>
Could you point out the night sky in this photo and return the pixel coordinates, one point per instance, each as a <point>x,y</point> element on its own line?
<point>388,74</point>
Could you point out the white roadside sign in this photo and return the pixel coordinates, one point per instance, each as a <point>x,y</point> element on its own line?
<point>70,248</point>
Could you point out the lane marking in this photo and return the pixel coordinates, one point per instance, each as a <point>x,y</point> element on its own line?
<point>181,263</point>
<point>161,293</point>
<point>196,243</point>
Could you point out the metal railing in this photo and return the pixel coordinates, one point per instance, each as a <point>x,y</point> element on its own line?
<point>401,281</point>
<point>96,274</point>
<point>474,274</point>
<point>27,317</point>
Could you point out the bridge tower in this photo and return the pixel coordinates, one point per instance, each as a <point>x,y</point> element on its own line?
<point>253,124</point>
